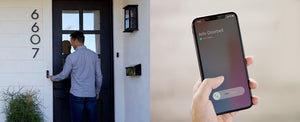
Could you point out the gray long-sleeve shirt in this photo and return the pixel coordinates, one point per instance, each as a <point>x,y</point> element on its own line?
<point>86,76</point>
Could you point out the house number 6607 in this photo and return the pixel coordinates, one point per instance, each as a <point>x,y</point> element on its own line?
<point>35,39</point>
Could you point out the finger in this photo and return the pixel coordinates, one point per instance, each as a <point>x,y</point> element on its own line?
<point>196,86</point>
<point>233,113</point>
<point>208,85</point>
<point>228,116</point>
<point>255,100</point>
<point>249,60</point>
<point>253,84</point>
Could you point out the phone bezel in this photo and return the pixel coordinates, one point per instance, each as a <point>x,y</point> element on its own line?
<point>199,57</point>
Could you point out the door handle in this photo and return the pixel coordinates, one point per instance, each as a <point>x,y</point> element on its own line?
<point>47,73</point>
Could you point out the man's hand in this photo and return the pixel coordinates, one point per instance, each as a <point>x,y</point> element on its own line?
<point>97,96</point>
<point>51,78</point>
<point>202,107</point>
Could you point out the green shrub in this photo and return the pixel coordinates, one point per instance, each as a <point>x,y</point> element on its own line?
<point>22,106</point>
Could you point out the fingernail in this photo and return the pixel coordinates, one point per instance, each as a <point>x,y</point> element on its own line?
<point>220,79</point>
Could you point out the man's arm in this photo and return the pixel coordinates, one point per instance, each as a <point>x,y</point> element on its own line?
<point>66,71</point>
<point>98,77</point>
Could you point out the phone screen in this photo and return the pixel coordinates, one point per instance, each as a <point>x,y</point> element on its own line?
<point>220,52</point>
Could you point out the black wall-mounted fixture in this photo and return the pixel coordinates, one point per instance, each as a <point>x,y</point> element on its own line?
<point>130,18</point>
<point>47,73</point>
<point>134,70</point>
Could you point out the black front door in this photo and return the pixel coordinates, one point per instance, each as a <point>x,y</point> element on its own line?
<point>94,19</point>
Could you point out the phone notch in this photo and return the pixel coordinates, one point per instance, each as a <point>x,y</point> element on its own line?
<point>217,17</point>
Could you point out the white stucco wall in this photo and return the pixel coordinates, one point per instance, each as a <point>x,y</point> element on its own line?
<point>119,70</point>
<point>132,94</point>
<point>18,68</point>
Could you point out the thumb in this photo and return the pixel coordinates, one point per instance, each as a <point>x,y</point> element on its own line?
<point>208,85</point>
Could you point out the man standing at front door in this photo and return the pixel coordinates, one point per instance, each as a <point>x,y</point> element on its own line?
<point>86,78</point>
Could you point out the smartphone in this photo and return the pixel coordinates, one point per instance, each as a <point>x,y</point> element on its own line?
<point>220,52</point>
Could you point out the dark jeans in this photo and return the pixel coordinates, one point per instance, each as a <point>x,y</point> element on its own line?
<point>77,106</point>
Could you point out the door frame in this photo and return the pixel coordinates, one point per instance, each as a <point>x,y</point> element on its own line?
<point>106,39</point>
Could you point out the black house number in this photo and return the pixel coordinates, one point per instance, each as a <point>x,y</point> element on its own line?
<point>35,39</point>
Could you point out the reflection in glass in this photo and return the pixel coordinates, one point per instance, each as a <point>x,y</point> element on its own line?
<point>134,18</point>
<point>70,20</point>
<point>126,19</point>
<point>66,50</point>
<point>92,41</point>
<point>66,47</point>
<point>91,20</point>
<point>66,37</point>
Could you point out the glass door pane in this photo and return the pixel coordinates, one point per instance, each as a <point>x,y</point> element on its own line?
<point>91,19</point>
<point>70,20</point>
<point>92,42</point>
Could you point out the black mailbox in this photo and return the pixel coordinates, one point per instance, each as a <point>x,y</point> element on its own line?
<point>134,70</point>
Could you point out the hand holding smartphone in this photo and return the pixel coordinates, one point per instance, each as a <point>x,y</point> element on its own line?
<point>220,53</point>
